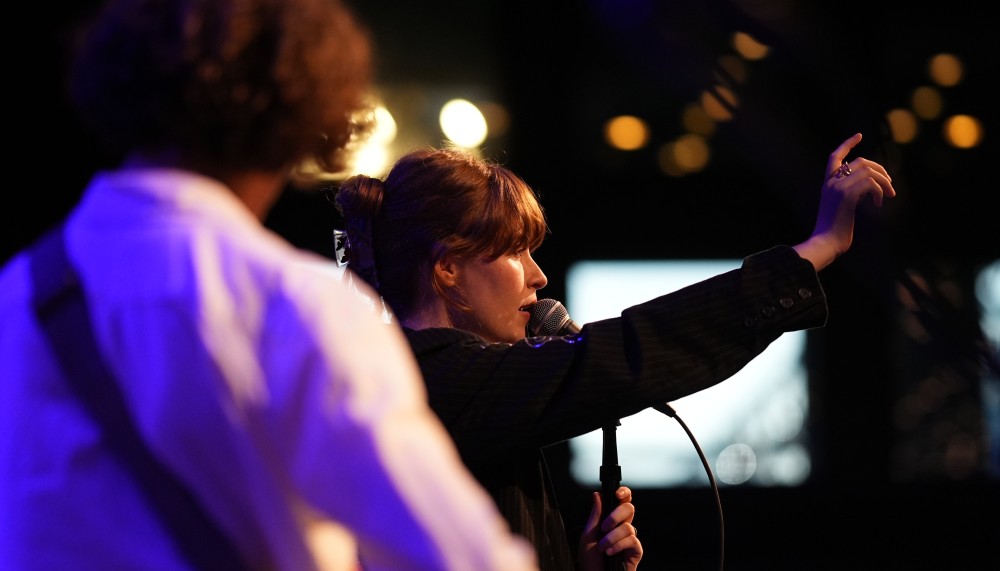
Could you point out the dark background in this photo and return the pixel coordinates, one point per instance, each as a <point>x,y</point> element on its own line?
<point>894,485</point>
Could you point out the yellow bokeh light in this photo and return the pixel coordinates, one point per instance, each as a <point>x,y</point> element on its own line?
<point>734,67</point>
<point>963,131</point>
<point>927,102</point>
<point>696,120</point>
<point>945,70</point>
<point>665,158</point>
<point>903,125</point>
<point>712,103</point>
<point>626,132</point>
<point>691,153</point>
<point>385,127</point>
<point>748,46</point>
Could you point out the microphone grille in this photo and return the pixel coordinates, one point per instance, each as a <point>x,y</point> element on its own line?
<point>547,317</point>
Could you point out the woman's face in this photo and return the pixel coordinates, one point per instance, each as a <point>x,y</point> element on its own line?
<point>498,291</point>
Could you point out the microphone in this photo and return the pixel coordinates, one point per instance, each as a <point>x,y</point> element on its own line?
<point>550,317</point>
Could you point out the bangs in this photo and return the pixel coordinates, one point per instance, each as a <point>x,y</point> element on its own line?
<point>513,219</point>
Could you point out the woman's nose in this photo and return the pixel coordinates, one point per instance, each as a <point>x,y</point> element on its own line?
<point>536,279</point>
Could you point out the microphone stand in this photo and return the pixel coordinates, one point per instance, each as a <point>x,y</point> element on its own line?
<point>611,479</point>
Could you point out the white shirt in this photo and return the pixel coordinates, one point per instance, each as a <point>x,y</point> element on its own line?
<point>282,401</point>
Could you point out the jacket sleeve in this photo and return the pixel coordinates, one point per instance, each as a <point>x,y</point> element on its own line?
<point>546,389</point>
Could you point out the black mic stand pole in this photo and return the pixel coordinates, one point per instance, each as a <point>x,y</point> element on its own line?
<point>611,480</point>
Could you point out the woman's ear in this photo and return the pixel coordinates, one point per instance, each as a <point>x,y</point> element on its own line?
<point>446,271</point>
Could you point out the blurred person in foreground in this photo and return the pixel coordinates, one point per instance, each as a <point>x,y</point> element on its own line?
<point>296,419</point>
<point>447,240</point>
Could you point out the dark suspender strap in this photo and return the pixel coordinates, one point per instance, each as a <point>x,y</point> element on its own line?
<point>62,310</point>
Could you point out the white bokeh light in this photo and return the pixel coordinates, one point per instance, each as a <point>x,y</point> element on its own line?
<point>463,123</point>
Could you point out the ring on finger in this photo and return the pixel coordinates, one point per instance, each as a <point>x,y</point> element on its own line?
<point>843,170</point>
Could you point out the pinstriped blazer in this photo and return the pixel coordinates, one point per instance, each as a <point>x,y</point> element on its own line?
<point>503,402</point>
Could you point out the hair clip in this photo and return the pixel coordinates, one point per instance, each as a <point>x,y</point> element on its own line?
<point>342,247</point>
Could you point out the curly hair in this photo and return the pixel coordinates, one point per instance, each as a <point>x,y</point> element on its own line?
<point>234,83</point>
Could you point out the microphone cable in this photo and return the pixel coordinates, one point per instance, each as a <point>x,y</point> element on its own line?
<point>668,410</point>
